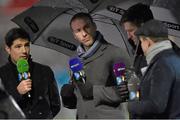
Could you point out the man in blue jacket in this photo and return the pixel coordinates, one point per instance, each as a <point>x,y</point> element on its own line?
<point>160,85</point>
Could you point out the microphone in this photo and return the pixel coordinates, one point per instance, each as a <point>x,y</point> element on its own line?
<point>122,73</point>
<point>23,71</point>
<point>119,72</point>
<point>76,67</point>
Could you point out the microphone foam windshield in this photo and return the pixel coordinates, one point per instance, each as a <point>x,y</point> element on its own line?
<point>119,69</point>
<point>75,64</point>
<point>22,65</point>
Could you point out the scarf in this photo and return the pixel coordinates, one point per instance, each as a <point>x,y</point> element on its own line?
<point>157,48</point>
<point>86,54</point>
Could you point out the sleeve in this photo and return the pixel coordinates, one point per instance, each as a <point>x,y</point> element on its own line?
<point>161,81</point>
<point>105,95</point>
<point>120,55</point>
<point>9,86</point>
<point>108,94</point>
<point>69,99</point>
<point>54,94</point>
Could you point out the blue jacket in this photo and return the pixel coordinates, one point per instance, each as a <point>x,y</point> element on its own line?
<point>159,88</point>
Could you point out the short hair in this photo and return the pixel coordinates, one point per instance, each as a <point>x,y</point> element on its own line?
<point>82,15</point>
<point>137,14</point>
<point>14,34</point>
<point>155,39</point>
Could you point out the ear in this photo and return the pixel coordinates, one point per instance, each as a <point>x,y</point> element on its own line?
<point>8,49</point>
<point>150,42</point>
<point>74,36</point>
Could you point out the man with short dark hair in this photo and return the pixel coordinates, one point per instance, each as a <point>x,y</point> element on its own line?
<point>160,86</point>
<point>132,19</point>
<point>44,101</point>
<point>97,98</point>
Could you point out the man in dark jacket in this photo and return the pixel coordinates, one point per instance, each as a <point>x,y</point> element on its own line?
<point>44,101</point>
<point>96,95</point>
<point>160,85</point>
<point>131,20</point>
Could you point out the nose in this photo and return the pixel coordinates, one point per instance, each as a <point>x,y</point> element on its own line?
<point>84,33</point>
<point>129,35</point>
<point>23,49</point>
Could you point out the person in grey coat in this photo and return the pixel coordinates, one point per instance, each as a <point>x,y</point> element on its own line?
<point>97,98</point>
<point>160,85</point>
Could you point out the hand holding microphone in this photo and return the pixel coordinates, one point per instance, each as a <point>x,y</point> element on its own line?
<point>79,77</point>
<point>25,84</point>
<point>133,84</point>
<point>76,67</point>
<point>127,82</point>
<point>122,87</point>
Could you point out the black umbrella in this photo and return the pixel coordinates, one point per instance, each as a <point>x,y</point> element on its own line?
<point>47,22</point>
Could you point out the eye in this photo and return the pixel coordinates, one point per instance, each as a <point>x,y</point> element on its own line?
<point>76,31</point>
<point>17,46</point>
<point>87,26</point>
<point>27,45</point>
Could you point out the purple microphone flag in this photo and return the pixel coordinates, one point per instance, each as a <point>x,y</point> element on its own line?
<point>119,69</point>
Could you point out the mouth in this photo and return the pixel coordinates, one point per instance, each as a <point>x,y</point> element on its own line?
<point>25,57</point>
<point>85,40</point>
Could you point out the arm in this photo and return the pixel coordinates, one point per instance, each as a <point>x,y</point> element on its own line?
<point>109,95</point>
<point>53,94</point>
<point>113,95</point>
<point>69,99</point>
<point>10,85</point>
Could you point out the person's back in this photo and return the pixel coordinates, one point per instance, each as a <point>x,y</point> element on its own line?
<point>159,86</point>
<point>172,60</point>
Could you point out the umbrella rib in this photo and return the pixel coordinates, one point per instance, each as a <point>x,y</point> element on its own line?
<point>49,24</point>
<point>102,16</point>
<point>80,8</point>
<point>72,10</point>
<point>103,22</point>
<point>122,37</point>
<point>96,6</point>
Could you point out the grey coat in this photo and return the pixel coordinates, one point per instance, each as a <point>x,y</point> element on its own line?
<point>99,72</point>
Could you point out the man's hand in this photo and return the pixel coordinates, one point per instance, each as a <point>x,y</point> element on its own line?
<point>69,99</point>
<point>86,89</point>
<point>122,91</point>
<point>24,86</point>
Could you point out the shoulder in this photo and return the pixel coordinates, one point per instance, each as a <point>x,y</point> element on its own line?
<point>110,48</point>
<point>167,56</point>
<point>5,67</point>
<point>118,53</point>
<point>168,59</point>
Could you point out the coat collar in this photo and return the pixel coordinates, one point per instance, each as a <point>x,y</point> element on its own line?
<point>98,53</point>
<point>158,56</point>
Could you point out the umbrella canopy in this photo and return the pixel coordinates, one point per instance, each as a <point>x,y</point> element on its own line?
<point>47,22</point>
